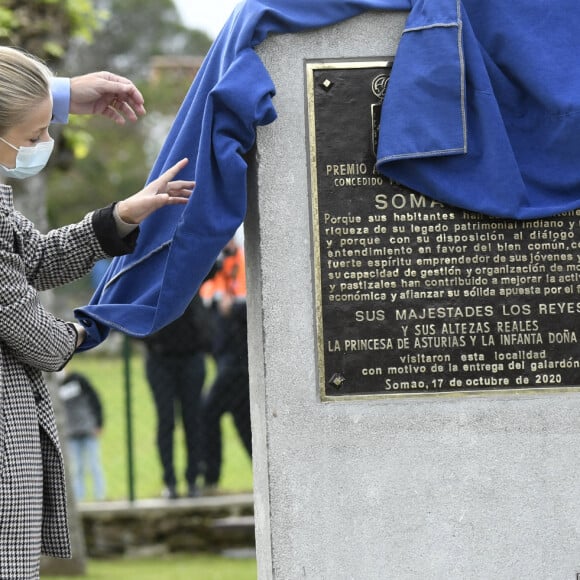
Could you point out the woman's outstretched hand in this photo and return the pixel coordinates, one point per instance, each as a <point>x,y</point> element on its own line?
<point>158,193</point>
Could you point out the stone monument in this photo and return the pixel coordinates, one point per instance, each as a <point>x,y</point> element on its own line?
<point>414,366</point>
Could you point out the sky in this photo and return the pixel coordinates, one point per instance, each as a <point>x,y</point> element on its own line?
<point>209,16</point>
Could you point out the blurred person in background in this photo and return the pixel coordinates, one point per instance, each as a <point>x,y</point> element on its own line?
<point>83,427</point>
<point>175,369</point>
<point>224,292</point>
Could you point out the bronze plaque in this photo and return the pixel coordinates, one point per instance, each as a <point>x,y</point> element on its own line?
<point>414,297</point>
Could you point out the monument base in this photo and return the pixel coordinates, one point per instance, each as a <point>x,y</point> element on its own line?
<point>463,485</point>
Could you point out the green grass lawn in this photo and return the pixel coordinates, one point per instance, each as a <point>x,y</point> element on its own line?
<point>180,567</point>
<point>107,373</point>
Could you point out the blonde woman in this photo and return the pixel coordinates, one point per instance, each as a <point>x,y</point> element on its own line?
<point>32,485</point>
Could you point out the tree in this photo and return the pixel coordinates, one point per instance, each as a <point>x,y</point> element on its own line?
<point>45,27</point>
<point>130,33</point>
<point>111,162</point>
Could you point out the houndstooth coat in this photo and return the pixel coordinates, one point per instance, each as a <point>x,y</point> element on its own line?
<point>33,515</point>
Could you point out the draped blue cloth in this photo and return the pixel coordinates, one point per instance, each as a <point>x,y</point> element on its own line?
<point>482,112</point>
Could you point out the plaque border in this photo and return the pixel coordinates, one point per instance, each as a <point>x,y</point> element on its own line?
<point>310,65</point>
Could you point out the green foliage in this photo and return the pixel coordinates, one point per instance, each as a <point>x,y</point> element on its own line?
<point>85,18</point>
<point>112,169</point>
<point>97,162</point>
<point>131,32</point>
<point>7,21</point>
<point>46,27</point>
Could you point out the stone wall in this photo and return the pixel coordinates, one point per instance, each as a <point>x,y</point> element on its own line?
<point>156,527</point>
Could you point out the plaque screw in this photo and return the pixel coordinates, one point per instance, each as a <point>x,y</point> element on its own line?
<point>326,84</point>
<point>336,380</point>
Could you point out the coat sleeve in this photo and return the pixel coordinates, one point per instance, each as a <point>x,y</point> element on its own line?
<point>28,331</point>
<point>58,257</point>
<point>29,262</point>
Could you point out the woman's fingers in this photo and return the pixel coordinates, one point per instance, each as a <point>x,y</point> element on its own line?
<point>174,170</point>
<point>175,185</point>
<point>163,183</point>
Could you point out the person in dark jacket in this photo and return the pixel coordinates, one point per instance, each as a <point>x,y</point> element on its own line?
<point>175,368</point>
<point>84,424</point>
<point>224,292</point>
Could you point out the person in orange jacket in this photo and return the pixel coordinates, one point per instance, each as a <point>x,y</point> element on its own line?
<point>228,278</point>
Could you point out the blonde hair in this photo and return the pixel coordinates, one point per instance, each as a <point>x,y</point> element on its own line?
<point>24,82</point>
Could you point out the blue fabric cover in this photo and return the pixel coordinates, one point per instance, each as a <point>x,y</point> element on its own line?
<point>482,112</point>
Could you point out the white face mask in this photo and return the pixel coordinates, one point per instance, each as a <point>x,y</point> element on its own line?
<point>29,160</point>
